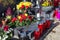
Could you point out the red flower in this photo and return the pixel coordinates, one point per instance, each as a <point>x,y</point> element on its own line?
<point>27,7</point>
<point>6,28</point>
<point>21,19</point>
<point>37,35</point>
<point>30,17</point>
<point>14,19</point>
<point>22,6</point>
<point>23,16</point>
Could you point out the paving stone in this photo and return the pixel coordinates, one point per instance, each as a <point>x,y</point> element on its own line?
<point>54,34</point>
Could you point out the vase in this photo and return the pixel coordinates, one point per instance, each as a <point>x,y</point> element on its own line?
<point>48,8</point>
<point>15,33</point>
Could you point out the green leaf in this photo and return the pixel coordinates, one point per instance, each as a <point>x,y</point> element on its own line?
<point>23,23</point>
<point>27,22</point>
<point>17,23</point>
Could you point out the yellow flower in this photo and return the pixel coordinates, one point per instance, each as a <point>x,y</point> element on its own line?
<point>18,6</point>
<point>26,14</point>
<point>19,17</point>
<point>8,17</point>
<point>46,3</point>
<point>23,3</point>
<point>27,3</point>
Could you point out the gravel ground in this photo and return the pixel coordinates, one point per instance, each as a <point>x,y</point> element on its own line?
<point>55,33</point>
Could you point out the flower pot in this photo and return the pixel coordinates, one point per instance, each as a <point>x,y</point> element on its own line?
<point>47,8</point>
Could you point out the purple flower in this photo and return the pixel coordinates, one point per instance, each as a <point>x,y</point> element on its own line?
<point>8,11</point>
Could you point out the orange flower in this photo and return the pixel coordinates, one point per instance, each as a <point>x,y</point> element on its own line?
<point>3,22</point>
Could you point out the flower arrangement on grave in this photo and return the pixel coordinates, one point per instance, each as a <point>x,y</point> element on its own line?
<point>8,13</point>
<point>5,32</point>
<point>46,3</point>
<point>23,6</point>
<point>21,20</point>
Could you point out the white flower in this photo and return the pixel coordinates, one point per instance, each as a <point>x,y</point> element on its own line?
<point>16,37</point>
<point>20,10</point>
<point>5,37</point>
<point>0,37</point>
<point>8,31</point>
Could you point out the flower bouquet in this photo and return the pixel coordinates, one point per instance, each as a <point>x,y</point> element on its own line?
<point>5,33</point>
<point>23,7</point>
<point>21,20</point>
<point>47,5</point>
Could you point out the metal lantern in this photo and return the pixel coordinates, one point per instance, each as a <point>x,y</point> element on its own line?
<point>37,3</point>
<point>37,11</point>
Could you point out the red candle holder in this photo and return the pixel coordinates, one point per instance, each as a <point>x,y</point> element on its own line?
<point>48,23</point>
<point>44,24</point>
<point>40,26</point>
<point>37,35</point>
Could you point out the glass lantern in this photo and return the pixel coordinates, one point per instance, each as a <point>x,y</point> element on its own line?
<point>37,11</point>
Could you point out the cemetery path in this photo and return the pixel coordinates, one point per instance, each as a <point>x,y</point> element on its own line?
<point>55,33</point>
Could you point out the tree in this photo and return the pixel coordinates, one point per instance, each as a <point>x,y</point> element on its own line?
<point>7,2</point>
